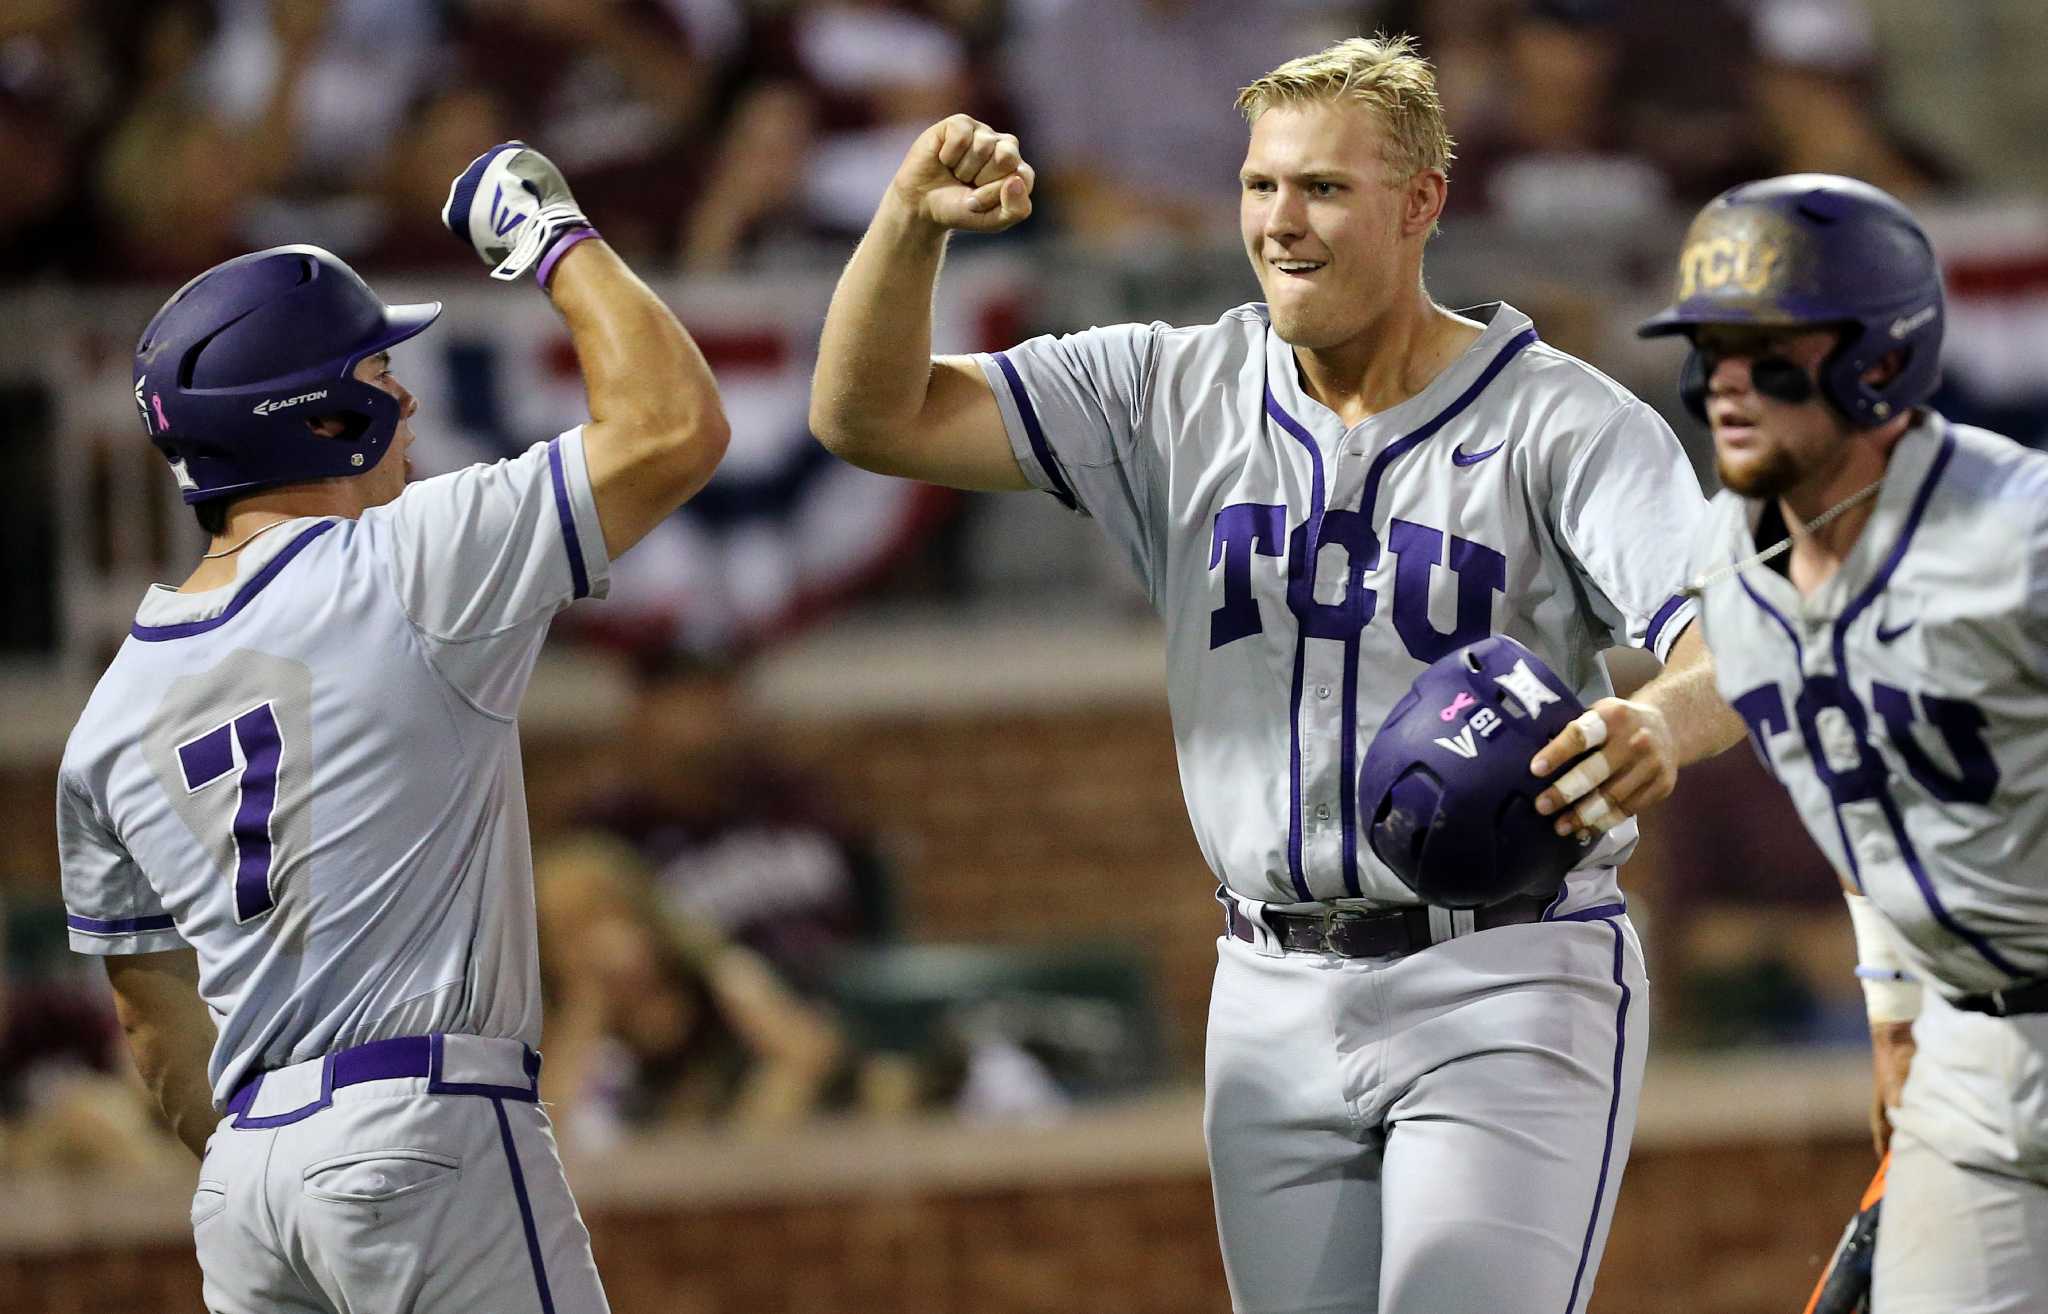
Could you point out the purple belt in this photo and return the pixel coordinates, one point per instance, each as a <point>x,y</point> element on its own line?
<point>384,1060</point>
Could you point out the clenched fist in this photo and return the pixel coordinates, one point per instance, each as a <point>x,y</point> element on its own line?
<point>964,174</point>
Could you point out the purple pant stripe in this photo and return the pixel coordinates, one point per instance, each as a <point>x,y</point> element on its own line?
<point>1613,1114</point>
<point>540,1268</point>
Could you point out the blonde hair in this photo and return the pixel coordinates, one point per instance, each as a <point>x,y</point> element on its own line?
<point>1381,72</point>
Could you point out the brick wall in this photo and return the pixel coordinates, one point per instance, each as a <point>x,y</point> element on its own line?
<point>1703,1230</point>
<point>1026,827</point>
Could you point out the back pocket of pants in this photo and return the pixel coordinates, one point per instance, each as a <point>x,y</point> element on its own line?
<point>209,1199</point>
<point>377,1176</point>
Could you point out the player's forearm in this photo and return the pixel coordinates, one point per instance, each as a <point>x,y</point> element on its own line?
<point>1702,724</point>
<point>171,1035</point>
<point>651,392</point>
<point>875,356</point>
<point>175,1075</point>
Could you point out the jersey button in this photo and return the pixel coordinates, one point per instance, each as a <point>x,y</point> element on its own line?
<point>1322,691</point>
<point>1323,812</point>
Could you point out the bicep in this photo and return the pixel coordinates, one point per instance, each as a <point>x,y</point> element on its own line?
<point>637,484</point>
<point>958,438</point>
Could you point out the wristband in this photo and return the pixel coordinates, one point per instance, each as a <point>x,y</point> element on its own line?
<point>1890,991</point>
<point>545,270</point>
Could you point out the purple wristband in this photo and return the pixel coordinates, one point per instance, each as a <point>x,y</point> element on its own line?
<point>546,268</point>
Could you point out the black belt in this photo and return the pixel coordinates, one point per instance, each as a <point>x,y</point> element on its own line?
<point>1387,933</point>
<point>2026,997</point>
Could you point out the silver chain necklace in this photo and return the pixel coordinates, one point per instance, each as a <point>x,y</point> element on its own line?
<point>230,551</point>
<point>1699,586</point>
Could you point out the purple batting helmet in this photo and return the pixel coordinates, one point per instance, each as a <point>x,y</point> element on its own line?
<point>239,359</point>
<point>1445,793</point>
<point>1820,251</point>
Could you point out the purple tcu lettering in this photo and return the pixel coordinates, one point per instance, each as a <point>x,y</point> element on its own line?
<point>1240,531</point>
<point>1481,573</point>
<point>1252,527</point>
<point>1960,723</point>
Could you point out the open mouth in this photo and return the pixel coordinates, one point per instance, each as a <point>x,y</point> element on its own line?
<point>1296,268</point>
<point>1734,427</point>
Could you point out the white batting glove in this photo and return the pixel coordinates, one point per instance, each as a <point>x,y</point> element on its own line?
<point>513,207</point>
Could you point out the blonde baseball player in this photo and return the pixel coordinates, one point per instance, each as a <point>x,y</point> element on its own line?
<point>1410,1109</point>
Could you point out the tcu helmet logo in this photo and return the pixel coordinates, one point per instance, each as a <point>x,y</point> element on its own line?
<point>1252,528</point>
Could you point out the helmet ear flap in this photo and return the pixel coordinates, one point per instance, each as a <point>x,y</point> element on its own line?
<point>1841,377</point>
<point>1692,384</point>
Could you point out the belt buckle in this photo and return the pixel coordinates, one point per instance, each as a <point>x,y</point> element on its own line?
<point>1997,998</point>
<point>1326,924</point>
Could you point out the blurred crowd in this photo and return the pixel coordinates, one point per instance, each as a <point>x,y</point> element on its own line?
<point>146,141</point>
<point>719,946</point>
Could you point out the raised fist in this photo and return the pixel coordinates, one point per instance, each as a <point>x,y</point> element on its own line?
<point>964,174</point>
<point>513,207</point>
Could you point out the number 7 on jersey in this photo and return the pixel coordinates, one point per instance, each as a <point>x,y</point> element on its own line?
<point>249,742</point>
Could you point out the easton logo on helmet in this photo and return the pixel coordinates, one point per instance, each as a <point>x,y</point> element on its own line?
<point>267,407</point>
<point>1905,324</point>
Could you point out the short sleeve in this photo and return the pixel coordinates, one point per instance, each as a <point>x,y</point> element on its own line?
<point>1629,511</point>
<point>1075,407</point>
<point>484,557</point>
<point>2033,622</point>
<point>109,907</point>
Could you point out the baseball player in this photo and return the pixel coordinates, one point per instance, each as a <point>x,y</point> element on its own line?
<point>291,815</point>
<point>1409,1109</point>
<point>1873,580</point>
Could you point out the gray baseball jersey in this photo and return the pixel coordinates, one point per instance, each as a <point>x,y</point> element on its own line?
<point>311,776</point>
<point>1902,703</point>
<point>1308,571</point>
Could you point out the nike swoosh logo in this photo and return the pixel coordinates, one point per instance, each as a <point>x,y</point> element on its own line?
<point>1886,635</point>
<point>1459,456</point>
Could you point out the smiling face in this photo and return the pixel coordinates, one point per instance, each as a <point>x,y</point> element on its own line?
<point>1333,231</point>
<point>1764,447</point>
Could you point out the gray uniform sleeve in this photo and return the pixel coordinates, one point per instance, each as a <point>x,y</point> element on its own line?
<point>1075,410</point>
<point>109,908</point>
<point>2034,624</point>
<point>1628,510</point>
<point>483,558</point>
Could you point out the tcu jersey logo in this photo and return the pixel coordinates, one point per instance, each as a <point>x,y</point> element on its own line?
<point>1249,528</point>
<point>1834,725</point>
